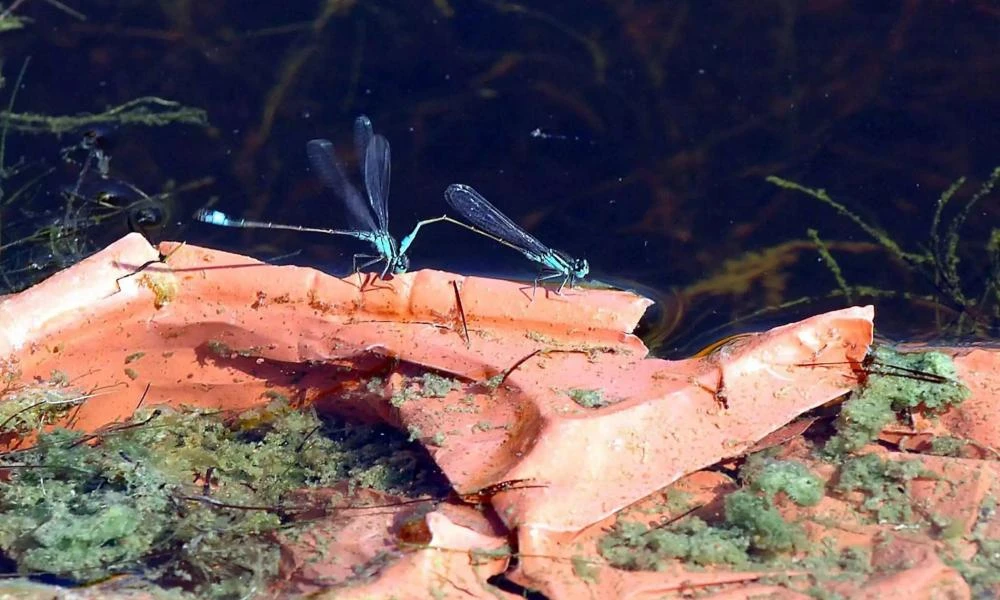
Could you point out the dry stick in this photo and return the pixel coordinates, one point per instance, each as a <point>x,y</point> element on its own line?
<point>41,403</point>
<point>112,430</point>
<point>461,312</point>
<point>77,400</point>
<point>71,420</point>
<point>10,10</point>
<point>507,372</point>
<point>142,398</point>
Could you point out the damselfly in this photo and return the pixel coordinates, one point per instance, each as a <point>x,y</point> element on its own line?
<point>488,221</point>
<point>374,161</point>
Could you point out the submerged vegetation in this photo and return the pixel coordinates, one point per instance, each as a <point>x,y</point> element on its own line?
<point>972,293</point>
<point>39,236</point>
<point>948,286</point>
<point>686,157</point>
<point>187,499</point>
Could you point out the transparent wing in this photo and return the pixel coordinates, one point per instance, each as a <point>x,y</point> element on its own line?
<point>478,211</point>
<point>329,169</point>
<point>377,173</point>
<point>362,136</point>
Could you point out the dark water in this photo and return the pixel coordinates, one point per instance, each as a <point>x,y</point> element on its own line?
<point>636,134</point>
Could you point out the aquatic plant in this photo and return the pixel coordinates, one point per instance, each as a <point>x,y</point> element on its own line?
<point>50,237</point>
<point>938,263</point>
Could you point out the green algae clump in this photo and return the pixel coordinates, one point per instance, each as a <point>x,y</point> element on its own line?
<point>897,382</point>
<point>636,547</point>
<point>188,499</point>
<point>885,485</point>
<point>791,477</point>
<point>753,529</point>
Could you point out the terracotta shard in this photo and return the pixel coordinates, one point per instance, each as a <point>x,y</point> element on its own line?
<point>546,415</point>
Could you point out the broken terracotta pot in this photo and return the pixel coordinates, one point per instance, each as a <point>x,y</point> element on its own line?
<point>552,391</point>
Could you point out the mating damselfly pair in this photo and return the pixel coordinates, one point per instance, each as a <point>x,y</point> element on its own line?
<point>375,165</point>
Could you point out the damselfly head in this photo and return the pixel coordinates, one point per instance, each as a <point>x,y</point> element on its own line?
<point>99,136</point>
<point>580,267</point>
<point>148,215</point>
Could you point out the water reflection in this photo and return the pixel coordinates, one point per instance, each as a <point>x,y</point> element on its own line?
<point>636,134</point>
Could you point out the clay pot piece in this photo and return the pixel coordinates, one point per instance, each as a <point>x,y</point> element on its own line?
<point>427,550</point>
<point>551,394</point>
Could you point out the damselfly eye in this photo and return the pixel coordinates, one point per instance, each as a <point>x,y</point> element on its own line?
<point>147,215</point>
<point>110,199</point>
<point>108,193</point>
